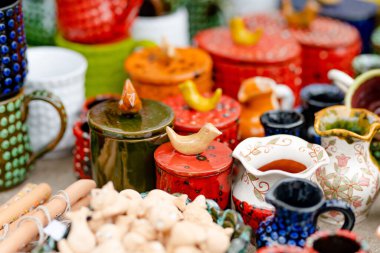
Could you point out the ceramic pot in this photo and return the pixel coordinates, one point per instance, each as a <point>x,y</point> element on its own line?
<point>365,62</point>
<point>62,72</point>
<point>40,21</point>
<point>16,153</point>
<point>352,174</point>
<point>105,73</point>
<point>156,77</point>
<point>122,146</point>
<point>258,95</point>
<point>233,8</point>
<point>316,97</point>
<point>225,117</point>
<point>96,21</point>
<point>13,48</point>
<point>283,122</point>
<point>341,241</point>
<point>263,162</point>
<point>174,27</point>
<point>298,203</point>
<point>284,249</point>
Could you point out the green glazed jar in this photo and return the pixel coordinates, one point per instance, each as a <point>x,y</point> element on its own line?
<point>122,146</point>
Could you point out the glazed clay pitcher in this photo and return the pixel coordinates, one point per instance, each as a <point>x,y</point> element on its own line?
<point>352,174</point>
<point>257,96</point>
<point>263,162</point>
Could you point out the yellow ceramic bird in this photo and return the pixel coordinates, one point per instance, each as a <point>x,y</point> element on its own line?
<point>300,19</point>
<point>195,100</point>
<point>241,35</point>
<point>195,143</point>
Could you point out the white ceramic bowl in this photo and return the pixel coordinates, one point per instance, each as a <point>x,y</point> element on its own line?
<point>61,71</point>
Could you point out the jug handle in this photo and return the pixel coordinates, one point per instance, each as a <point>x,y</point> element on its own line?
<point>340,79</point>
<point>285,95</point>
<point>339,206</point>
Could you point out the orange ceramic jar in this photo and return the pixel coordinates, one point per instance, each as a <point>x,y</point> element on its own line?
<point>157,77</point>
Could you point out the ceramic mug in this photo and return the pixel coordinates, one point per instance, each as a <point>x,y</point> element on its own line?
<point>12,47</point>
<point>62,72</point>
<point>282,122</point>
<point>341,241</point>
<point>16,156</point>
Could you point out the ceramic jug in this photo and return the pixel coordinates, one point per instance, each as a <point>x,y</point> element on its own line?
<point>258,95</point>
<point>263,162</point>
<point>298,204</point>
<point>352,174</point>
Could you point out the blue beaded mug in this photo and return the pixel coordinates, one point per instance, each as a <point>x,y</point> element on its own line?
<point>13,62</point>
<point>282,122</point>
<point>298,204</point>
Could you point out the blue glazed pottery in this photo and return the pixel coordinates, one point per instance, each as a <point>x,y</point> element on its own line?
<point>298,203</point>
<point>12,48</point>
<point>282,122</point>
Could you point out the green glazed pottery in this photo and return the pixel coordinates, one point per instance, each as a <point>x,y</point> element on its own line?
<point>105,73</point>
<point>16,155</point>
<point>122,145</point>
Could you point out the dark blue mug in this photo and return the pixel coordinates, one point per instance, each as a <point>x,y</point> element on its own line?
<point>282,122</point>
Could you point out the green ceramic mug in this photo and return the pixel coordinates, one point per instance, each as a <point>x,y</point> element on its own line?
<point>16,156</point>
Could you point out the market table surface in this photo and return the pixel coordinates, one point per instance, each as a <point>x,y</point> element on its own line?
<point>59,174</point>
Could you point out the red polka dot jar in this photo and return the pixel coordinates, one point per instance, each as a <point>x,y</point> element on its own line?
<point>276,55</point>
<point>326,44</point>
<point>225,117</point>
<point>82,152</point>
<point>208,173</point>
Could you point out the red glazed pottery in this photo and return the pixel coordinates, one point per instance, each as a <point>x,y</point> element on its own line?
<point>327,44</point>
<point>225,117</point>
<point>276,55</point>
<point>285,249</point>
<point>341,241</point>
<point>208,173</point>
<point>96,21</point>
<point>82,155</point>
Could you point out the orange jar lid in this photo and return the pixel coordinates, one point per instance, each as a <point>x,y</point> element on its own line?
<point>148,65</point>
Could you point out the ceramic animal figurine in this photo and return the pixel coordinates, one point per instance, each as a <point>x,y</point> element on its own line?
<point>129,102</point>
<point>301,19</point>
<point>258,95</point>
<point>263,162</point>
<point>241,35</point>
<point>298,203</point>
<point>195,100</point>
<point>352,174</point>
<point>195,143</point>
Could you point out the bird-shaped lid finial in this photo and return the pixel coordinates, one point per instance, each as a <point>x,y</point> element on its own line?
<point>129,102</point>
<point>300,19</point>
<point>241,35</point>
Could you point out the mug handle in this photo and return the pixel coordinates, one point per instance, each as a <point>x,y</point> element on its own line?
<point>340,206</point>
<point>53,100</point>
<point>285,95</point>
<point>340,79</point>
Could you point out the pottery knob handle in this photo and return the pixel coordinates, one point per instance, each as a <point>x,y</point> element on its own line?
<point>339,206</point>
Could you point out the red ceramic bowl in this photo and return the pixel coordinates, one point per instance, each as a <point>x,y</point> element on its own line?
<point>82,154</point>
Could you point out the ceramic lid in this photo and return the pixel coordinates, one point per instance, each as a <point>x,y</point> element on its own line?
<point>273,47</point>
<point>323,32</point>
<point>147,65</point>
<point>150,121</point>
<point>350,10</point>
<point>216,159</point>
<point>226,113</point>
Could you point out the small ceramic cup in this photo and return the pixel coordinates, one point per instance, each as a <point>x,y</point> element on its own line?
<point>16,156</point>
<point>282,122</point>
<point>62,72</point>
<point>365,62</point>
<point>341,241</point>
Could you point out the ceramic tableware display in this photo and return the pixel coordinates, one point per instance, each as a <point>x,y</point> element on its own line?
<point>13,48</point>
<point>40,21</point>
<point>62,72</point>
<point>263,162</point>
<point>105,73</point>
<point>258,95</point>
<point>123,141</point>
<point>365,62</point>
<point>352,174</point>
<point>96,21</point>
<point>341,241</point>
<point>283,122</point>
<point>192,110</point>
<point>316,97</point>
<point>16,153</point>
<point>326,44</point>
<point>297,203</point>
<point>157,71</point>
<point>239,53</point>
<point>195,164</point>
